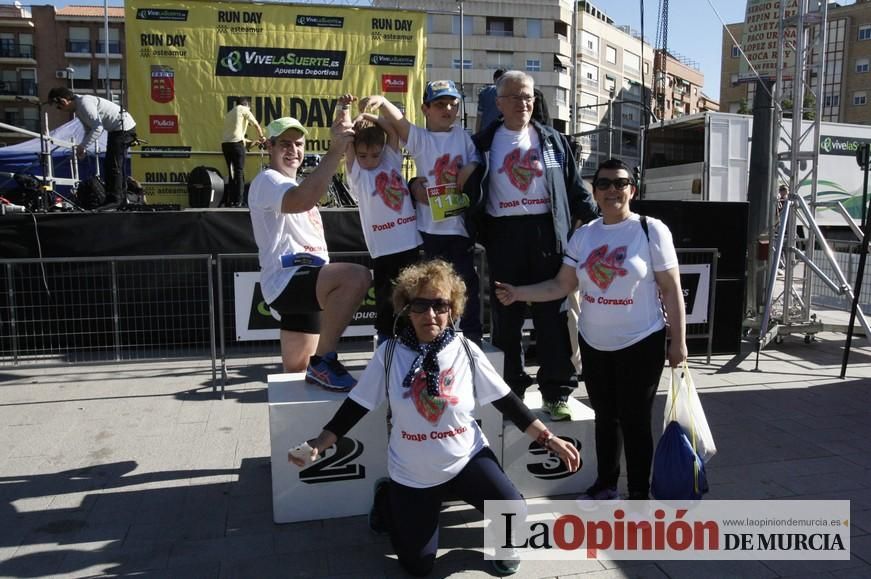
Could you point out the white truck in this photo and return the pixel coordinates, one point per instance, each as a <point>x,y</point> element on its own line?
<point>706,157</point>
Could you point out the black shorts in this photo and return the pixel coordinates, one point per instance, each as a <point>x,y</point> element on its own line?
<point>298,303</point>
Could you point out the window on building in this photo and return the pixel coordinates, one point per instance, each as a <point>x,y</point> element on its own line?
<point>735,52</point>
<point>533,28</point>
<point>562,96</point>
<point>832,100</point>
<point>500,26</point>
<point>631,62</point>
<point>610,55</point>
<point>500,59</point>
<point>734,79</point>
<point>865,32</point>
<point>533,65</point>
<point>589,74</point>
<point>859,98</point>
<point>862,65</point>
<point>80,40</point>
<point>589,43</point>
<point>646,68</point>
<point>468,25</point>
<point>610,83</point>
<point>561,28</point>
<point>28,81</point>
<point>114,43</point>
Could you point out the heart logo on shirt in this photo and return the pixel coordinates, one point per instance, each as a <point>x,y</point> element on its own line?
<point>521,170</point>
<point>603,267</point>
<point>445,169</point>
<point>432,408</point>
<point>391,188</point>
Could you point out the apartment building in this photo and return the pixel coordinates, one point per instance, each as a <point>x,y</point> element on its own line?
<point>846,90</point>
<point>678,88</point>
<point>614,85</point>
<point>42,47</point>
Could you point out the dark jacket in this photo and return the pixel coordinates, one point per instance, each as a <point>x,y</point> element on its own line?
<point>570,198</point>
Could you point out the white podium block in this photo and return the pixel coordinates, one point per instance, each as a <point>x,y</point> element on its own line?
<point>341,483</point>
<point>537,472</point>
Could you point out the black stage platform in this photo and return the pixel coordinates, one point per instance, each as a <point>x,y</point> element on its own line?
<point>228,231</point>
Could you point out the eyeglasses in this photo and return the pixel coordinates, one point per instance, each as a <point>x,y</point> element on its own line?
<point>519,98</point>
<point>603,183</point>
<point>423,305</point>
<point>445,104</point>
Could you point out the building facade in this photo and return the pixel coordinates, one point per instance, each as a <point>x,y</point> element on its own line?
<point>847,72</point>
<point>678,87</point>
<point>42,47</point>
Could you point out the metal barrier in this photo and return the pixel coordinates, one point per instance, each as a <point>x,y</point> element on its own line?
<point>61,311</point>
<point>847,255</point>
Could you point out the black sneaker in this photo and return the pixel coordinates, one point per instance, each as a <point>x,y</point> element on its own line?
<point>504,567</point>
<point>378,514</point>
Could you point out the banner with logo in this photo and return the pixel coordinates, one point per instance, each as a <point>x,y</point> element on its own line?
<point>254,320</point>
<point>188,61</point>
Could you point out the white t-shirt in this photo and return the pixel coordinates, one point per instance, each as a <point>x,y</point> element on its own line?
<point>517,182</point>
<point>439,156</point>
<point>278,233</point>
<point>386,211</point>
<point>432,440</point>
<point>619,297</point>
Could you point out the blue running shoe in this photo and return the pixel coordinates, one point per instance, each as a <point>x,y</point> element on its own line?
<point>326,371</point>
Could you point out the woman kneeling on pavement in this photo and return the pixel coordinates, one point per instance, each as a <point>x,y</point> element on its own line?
<point>431,378</point>
<point>626,268</point>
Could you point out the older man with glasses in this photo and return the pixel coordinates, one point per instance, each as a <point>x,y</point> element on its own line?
<point>527,197</point>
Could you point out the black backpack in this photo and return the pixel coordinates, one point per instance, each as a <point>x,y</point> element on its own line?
<point>92,193</point>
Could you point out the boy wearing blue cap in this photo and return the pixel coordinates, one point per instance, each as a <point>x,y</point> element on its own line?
<point>444,156</point>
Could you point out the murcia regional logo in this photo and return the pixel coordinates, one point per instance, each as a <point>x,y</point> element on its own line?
<point>162,83</point>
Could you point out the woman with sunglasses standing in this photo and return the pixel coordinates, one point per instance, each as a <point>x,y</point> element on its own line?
<point>626,268</point>
<point>431,378</point>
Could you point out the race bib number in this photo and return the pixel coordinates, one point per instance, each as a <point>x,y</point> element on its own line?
<point>445,201</point>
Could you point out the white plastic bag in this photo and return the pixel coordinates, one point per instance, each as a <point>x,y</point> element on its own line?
<point>684,406</point>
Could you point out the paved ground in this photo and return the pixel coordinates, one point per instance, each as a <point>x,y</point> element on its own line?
<point>136,469</point>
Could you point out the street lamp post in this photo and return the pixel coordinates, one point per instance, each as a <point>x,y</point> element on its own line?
<point>462,61</point>
<point>70,71</point>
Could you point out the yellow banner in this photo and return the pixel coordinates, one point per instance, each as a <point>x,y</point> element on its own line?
<point>187,62</point>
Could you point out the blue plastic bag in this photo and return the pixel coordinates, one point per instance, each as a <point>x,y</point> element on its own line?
<point>678,470</point>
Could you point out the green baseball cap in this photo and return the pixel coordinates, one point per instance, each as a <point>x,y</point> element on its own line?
<point>278,126</point>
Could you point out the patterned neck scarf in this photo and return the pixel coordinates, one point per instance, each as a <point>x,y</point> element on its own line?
<point>427,357</point>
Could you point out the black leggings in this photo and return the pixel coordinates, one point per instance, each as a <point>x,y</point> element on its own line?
<point>415,512</point>
<point>622,385</point>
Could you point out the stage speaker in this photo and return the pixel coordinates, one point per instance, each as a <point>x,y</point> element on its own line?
<point>205,187</point>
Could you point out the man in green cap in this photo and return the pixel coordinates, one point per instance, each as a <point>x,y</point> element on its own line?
<point>296,278</point>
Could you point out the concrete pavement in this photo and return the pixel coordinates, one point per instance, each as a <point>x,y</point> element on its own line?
<point>137,469</point>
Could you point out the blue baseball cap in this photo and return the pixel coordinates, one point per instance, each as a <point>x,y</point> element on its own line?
<point>440,88</point>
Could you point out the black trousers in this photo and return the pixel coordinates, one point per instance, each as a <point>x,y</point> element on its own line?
<point>234,154</point>
<point>414,512</point>
<point>621,386</point>
<point>520,251</point>
<point>117,143</point>
<point>459,251</point>
<point>385,269</point>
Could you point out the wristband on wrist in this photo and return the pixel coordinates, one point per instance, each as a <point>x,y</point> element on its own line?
<point>346,107</point>
<point>544,438</point>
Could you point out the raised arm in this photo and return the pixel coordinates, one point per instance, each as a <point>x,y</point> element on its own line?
<point>389,112</point>
<point>343,114</point>
<point>565,282</point>
<point>306,195</point>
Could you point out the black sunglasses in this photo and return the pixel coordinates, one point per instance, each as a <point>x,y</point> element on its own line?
<point>423,305</point>
<point>603,183</point>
